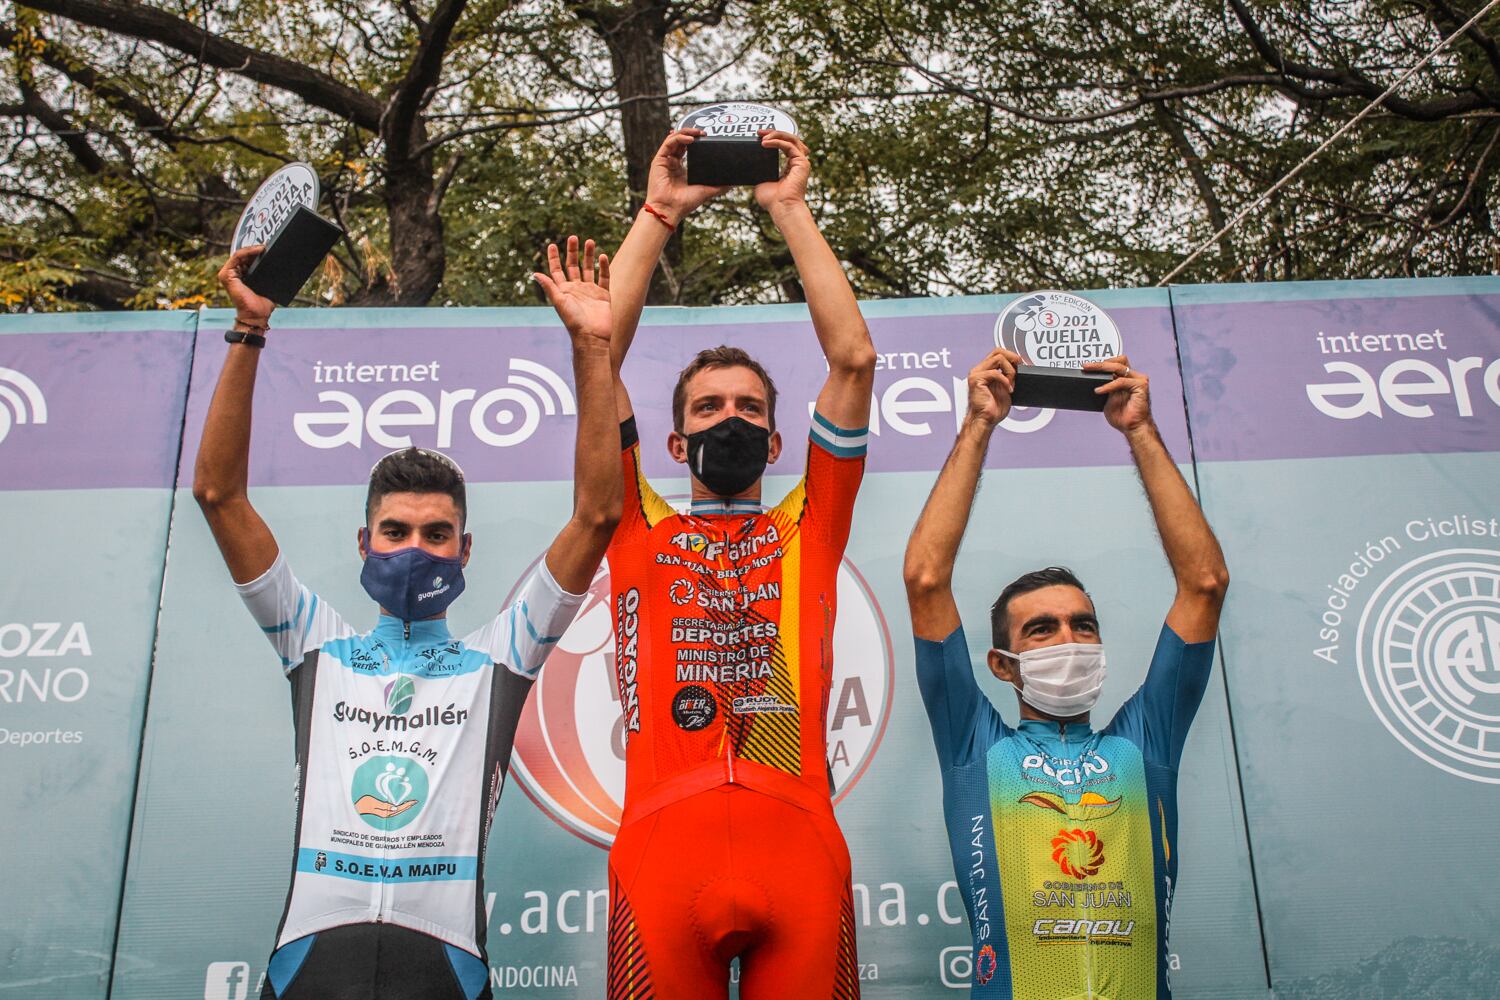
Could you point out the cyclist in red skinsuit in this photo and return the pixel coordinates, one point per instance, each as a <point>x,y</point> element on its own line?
<point>724,616</point>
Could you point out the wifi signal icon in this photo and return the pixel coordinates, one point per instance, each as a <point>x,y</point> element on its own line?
<point>511,414</point>
<point>521,371</point>
<point>22,397</point>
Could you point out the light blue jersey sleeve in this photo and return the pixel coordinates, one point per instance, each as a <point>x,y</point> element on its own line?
<point>1157,716</point>
<point>522,635</point>
<point>293,618</point>
<point>964,723</point>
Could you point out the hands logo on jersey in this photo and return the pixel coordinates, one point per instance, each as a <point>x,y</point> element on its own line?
<point>570,750</point>
<point>1078,853</point>
<point>389,792</point>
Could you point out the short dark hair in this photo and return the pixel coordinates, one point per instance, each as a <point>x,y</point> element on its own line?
<point>1024,584</point>
<point>416,470</point>
<point>722,356</point>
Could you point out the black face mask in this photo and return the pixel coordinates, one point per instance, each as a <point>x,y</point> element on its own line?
<point>729,456</point>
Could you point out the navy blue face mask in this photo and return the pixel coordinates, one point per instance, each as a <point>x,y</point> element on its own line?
<point>410,583</point>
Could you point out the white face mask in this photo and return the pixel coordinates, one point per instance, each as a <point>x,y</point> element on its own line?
<point>1062,680</point>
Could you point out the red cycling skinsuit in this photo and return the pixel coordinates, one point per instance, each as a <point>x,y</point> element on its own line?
<point>724,657</point>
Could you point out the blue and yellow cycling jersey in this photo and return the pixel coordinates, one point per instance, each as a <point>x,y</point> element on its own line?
<point>1064,839</point>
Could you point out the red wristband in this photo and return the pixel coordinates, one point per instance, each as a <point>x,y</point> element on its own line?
<point>663,219</point>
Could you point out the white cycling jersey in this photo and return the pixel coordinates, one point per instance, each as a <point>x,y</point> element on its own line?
<point>403,736</point>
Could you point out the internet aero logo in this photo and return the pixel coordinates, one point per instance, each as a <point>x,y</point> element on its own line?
<point>1429,659</point>
<point>432,416</point>
<point>21,401</point>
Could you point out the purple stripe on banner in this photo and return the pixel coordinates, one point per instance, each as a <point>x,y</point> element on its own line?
<point>500,400</point>
<point>91,410</point>
<point>1365,376</point>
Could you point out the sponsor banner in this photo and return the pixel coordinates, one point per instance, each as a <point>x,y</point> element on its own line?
<point>494,388</point>
<point>1304,371</point>
<point>78,607</point>
<point>204,894</point>
<point>90,420</point>
<point>92,402</point>
<point>1360,644</point>
<point>1361,639</point>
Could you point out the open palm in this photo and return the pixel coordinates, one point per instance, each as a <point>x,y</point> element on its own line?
<point>582,302</point>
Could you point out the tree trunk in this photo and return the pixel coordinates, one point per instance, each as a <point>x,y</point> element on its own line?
<point>418,255</point>
<point>635,38</point>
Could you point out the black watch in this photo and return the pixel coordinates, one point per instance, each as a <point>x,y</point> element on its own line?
<point>244,337</point>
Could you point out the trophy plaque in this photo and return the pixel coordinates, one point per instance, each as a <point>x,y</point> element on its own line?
<point>1059,388</point>
<point>1056,333</point>
<point>729,152</point>
<point>294,252</point>
<point>281,216</point>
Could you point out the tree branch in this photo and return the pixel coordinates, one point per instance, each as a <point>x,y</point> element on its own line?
<point>1352,81</point>
<point>67,133</point>
<point>422,74</point>
<point>1194,163</point>
<point>138,20</point>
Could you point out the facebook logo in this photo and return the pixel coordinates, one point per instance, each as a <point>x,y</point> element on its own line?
<point>227,981</point>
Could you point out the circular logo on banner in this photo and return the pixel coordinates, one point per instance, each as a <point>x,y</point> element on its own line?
<point>735,120</point>
<point>694,708</point>
<point>388,792</point>
<point>1429,659</point>
<point>273,202</point>
<point>569,753</point>
<point>1057,330</point>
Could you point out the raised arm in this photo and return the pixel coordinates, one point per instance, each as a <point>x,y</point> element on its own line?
<point>845,396</point>
<point>669,200</point>
<point>933,546</point>
<point>583,304</point>
<point>1192,550</point>
<point>222,472</point>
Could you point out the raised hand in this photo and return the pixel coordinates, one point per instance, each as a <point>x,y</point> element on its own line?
<point>250,309</point>
<point>667,188</point>
<point>582,303</point>
<point>1129,405</point>
<point>991,383</point>
<point>791,188</point>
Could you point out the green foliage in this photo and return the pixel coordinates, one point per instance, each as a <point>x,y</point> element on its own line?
<point>959,147</point>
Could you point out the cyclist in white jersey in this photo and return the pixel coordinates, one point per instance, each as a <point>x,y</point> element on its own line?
<point>403,733</point>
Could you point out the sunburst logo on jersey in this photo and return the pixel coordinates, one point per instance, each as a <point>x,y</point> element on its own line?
<point>985,964</point>
<point>1079,853</point>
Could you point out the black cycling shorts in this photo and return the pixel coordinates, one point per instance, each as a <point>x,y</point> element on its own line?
<point>374,962</point>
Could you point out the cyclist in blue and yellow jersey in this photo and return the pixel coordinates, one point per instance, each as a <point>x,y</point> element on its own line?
<point>403,733</point>
<point>1064,837</point>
